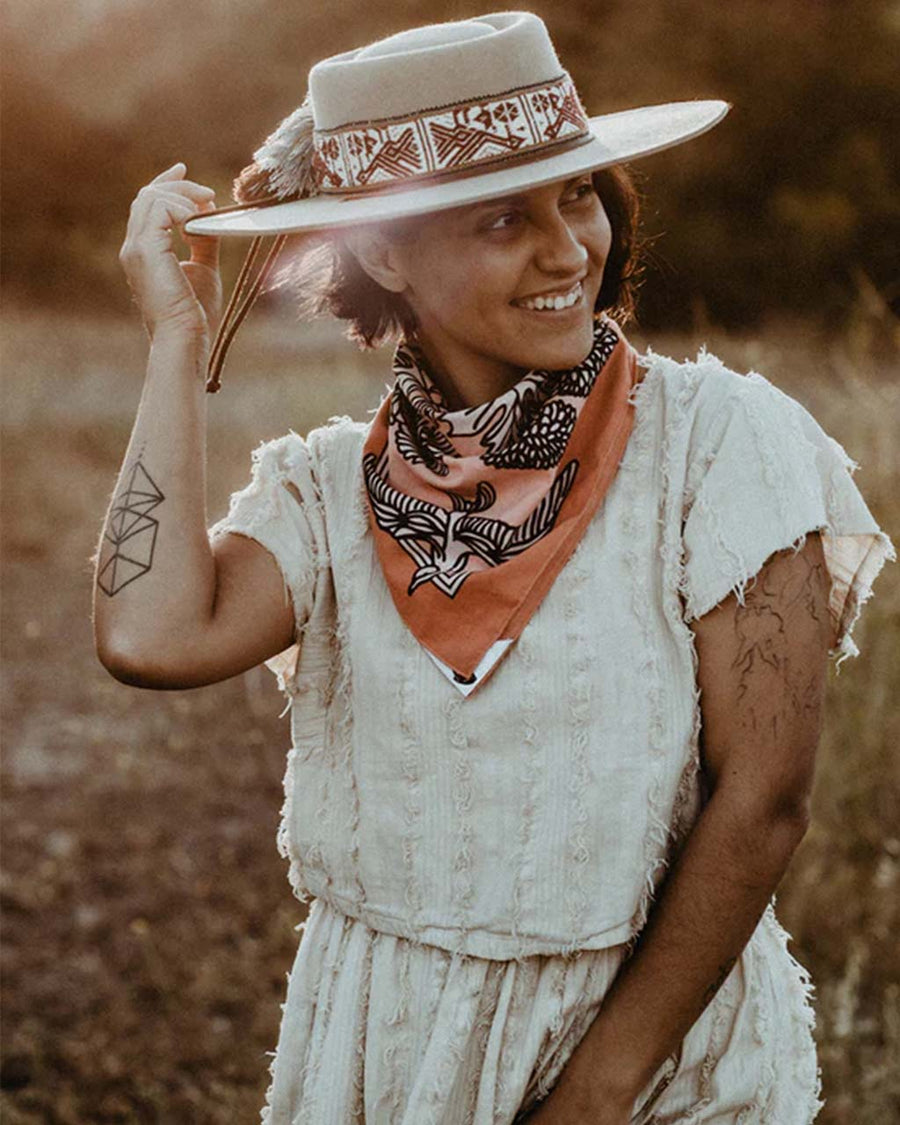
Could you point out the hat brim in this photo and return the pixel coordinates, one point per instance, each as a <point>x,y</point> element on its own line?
<point>616,137</point>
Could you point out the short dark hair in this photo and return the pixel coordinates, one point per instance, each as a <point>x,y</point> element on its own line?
<point>328,279</point>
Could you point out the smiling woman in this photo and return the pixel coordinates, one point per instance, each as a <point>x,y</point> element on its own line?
<point>553,625</point>
<point>329,279</point>
<point>470,276</point>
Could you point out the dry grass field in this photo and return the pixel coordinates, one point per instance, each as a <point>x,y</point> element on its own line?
<point>147,920</point>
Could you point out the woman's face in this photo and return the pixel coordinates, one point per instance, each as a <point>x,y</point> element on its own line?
<point>471,273</point>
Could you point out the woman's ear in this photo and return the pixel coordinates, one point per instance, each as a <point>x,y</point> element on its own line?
<point>377,254</point>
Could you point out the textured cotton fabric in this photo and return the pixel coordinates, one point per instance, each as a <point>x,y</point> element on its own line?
<point>391,1032</point>
<point>536,818</point>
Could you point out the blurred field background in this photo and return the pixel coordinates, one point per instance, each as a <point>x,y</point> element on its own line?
<point>147,920</point>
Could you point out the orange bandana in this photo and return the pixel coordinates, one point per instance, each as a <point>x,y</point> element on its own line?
<point>476,511</point>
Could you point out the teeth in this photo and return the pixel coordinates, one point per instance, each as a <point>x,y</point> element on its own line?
<point>564,301</point>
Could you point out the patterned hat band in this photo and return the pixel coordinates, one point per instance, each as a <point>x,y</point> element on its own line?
<point>515,125</point>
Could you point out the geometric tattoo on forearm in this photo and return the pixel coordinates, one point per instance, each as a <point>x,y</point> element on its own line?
<point>130,536</point>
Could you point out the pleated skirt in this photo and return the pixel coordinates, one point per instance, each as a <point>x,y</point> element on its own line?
<point>385,1031</point>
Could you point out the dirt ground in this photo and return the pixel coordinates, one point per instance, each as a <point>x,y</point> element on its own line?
<point>147,921</point>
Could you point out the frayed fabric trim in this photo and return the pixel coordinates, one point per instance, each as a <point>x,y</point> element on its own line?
<point>411,766</point>
<point>807,1082</point>
<point>463,879</point>
<point>524,877</point>
<point>578,693</point>
<point>663,828</point>
<point>641,463</point>
<point>815,500</point>
<point>326,453</point>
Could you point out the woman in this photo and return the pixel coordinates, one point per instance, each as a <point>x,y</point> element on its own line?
<point>553,625</point>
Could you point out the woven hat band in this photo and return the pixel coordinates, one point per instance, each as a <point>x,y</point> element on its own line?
<point>515,125</point>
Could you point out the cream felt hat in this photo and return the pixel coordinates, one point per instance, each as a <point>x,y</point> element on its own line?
<point>431,118</point>
<point>436,117</point>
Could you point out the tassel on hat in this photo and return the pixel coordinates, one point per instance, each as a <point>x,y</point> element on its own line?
<point>282,169</point>
<point>283,164</point>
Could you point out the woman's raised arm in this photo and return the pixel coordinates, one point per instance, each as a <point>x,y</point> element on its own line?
<point>169,610</point>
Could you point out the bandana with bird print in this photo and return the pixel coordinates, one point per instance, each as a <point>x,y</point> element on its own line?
<point>474,512</point>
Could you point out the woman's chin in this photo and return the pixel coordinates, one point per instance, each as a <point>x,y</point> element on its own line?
<point>559,344</point>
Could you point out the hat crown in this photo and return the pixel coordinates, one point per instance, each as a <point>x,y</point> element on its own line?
<point>431,66</point>
<point>431,35</point>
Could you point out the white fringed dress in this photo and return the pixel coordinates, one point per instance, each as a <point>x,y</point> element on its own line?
<point>477,867</point>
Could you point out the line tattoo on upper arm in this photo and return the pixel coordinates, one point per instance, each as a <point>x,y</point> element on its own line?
<point>129,538</point>
<point>779,599</point>
<point>714,987</point>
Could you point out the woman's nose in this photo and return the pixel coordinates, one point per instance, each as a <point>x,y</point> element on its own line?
<point>560,250</point>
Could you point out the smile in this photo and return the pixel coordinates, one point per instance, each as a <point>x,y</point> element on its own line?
<point>552,303</point>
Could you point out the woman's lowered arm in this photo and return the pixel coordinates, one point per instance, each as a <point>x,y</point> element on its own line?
<point>169,610</point>
<point>762,675</point>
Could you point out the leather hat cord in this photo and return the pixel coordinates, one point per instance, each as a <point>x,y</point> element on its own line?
<point>242,298</point>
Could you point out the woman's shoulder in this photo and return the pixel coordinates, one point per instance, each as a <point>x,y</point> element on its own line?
<point>705,383</point>
<point>705,396</point>
<point>335,450</point>
<point>340,435</point>
<point>292,456</point>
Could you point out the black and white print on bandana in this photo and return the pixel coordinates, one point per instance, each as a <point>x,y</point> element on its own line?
<point>440,541</point>
<point>528,427</point>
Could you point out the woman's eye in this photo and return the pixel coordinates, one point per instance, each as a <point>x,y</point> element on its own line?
<point>495,224</point>
<point>583,190</point>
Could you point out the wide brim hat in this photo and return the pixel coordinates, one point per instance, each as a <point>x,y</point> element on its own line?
<point>431,118</point>
<point>436,117</point>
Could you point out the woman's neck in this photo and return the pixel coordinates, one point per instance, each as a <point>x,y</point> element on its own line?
<point>469,380</point>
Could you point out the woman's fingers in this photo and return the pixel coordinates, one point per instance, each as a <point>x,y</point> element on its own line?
<point>171,172</point>
<point>182,190</point>
<point>167,290</point>
<point>163,213</point>
<point>160,210</point>
<point>175,198</point>
<point>180,202</point>
<point>190,188</point>
<point>204,247</point>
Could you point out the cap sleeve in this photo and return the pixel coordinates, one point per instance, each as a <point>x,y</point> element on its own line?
<point>764,475</point>
<point>281,509</point>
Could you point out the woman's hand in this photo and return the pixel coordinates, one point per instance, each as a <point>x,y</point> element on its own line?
<point>170,293</point>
